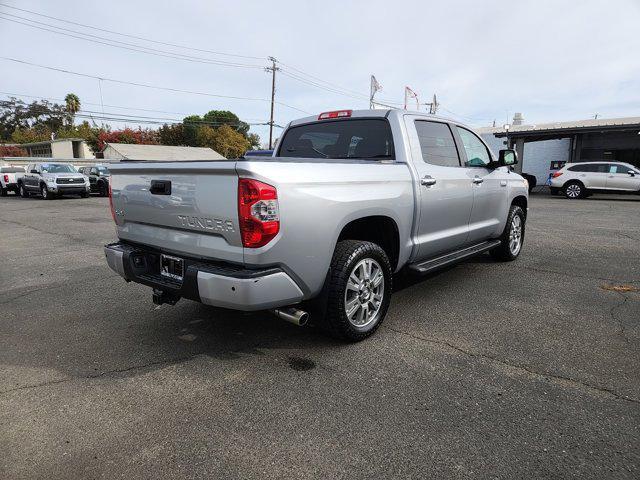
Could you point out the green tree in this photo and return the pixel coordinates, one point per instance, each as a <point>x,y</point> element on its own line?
<point>254,140</point>
<point>217,118</point>
<point>16,114</point>
<point>39,133</point>
<point>224,140</point>
<point>191,124</point>
<point>171,134</point>
<point>72,102</point>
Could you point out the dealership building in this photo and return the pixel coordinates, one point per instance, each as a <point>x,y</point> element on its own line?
<point>548,146</point>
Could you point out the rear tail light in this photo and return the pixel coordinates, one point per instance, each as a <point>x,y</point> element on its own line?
<point>335,114</point>
<point>113,212</point>
<point>556,174</point>
<point>258,212</point>
<point>6,179</point>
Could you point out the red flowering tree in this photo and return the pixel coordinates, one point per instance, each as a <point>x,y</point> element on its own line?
<point>12,151</point>
<point>128,135</point>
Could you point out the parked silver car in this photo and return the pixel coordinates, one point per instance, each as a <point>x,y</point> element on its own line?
<point>53,179</point>
<point>348,198</point>
<point>579,180</point>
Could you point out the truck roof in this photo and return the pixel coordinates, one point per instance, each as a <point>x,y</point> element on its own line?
<point>377,113</point>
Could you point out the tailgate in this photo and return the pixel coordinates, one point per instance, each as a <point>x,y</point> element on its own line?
<point>188,208</point>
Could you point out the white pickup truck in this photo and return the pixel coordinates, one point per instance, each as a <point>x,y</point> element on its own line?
<point>9,177</point>
<point>348,198</point>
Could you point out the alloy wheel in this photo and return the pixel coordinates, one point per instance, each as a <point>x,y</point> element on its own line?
<point>515,235</point>
<point>574,190</point>
<point>364,293</point>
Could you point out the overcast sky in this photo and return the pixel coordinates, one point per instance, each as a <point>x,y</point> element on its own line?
<point>485,60</point>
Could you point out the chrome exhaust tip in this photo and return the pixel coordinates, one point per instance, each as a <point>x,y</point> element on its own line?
<point>292,315</point>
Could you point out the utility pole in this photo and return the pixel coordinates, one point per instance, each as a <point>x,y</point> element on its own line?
<point>273,70</point>
<point>433,106</point>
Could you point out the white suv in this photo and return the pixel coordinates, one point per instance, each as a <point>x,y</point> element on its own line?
<point>579,180</point>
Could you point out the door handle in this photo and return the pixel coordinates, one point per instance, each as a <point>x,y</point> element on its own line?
<point>477,180</point>
<point>428,180</point>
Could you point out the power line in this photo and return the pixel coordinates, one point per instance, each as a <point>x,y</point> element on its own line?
<point>143,85</point>
<point>117,106</point>
<point>144,119</point>
<point>124,45</point>
<point>294,73</point>
<point>132,36</point>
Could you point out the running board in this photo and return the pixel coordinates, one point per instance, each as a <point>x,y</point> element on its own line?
<point>453,257</point>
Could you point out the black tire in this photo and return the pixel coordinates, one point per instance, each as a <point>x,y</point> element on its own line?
<point>23,191</point>
<point>3,191</point>
<point>348,255</point>
<point>84,195</point>
<point>574,190</point>
<point>505,252</point>
<point>103,191</point>
<point>46,194</point>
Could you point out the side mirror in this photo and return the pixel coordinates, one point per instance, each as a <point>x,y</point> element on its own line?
<point>33,171</point>
<point>631,173</point>
<point>507,158</point>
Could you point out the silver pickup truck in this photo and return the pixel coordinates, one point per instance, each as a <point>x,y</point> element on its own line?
<point>348,199</point>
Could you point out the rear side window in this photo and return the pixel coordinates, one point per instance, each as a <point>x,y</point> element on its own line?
<point>354,138</point>
<point>591,167</point>
<point>437,144</point>
<point>477,153</point>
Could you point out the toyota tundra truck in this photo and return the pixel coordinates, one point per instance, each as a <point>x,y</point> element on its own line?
<point>348,199</point>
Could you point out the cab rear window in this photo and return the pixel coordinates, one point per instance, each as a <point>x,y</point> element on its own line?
<point>365,139</point>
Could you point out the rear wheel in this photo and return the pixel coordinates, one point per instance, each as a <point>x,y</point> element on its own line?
<point>512,237</point>
<point>573,190</point>
<point>3,191</point>
<point>359,290</point>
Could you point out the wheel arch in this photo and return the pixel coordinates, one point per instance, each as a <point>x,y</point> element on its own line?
<point>522,202</point>
<point>379,229</point>
<point>573,180</point>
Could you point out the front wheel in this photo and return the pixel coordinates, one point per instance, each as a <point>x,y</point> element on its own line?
<point>512,237</point>
<point>103,191</point>
<point>46,194</point>
<point>23,191</point>
<point>359,290</point>
<point>84,195</point>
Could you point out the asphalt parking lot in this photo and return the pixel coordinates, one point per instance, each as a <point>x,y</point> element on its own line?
<point>528,369</point>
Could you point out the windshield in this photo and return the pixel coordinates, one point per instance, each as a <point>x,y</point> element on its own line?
<point>353,138</point>
<point>103,170</point>
<point>57,168</point>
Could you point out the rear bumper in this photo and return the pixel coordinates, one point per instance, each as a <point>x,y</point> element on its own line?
<point>217,284</point>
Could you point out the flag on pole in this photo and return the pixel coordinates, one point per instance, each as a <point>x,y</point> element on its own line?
<point>375,85</point>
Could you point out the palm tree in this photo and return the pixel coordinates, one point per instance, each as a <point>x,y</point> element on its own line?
<point>73,105</point>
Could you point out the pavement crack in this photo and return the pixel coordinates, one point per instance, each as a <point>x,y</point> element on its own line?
<point>572,275</point>
<point>51,287</point>
<point>616,319</point>
<point>523,368</point>
<point>58,234</point>
<point>106,373</point>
